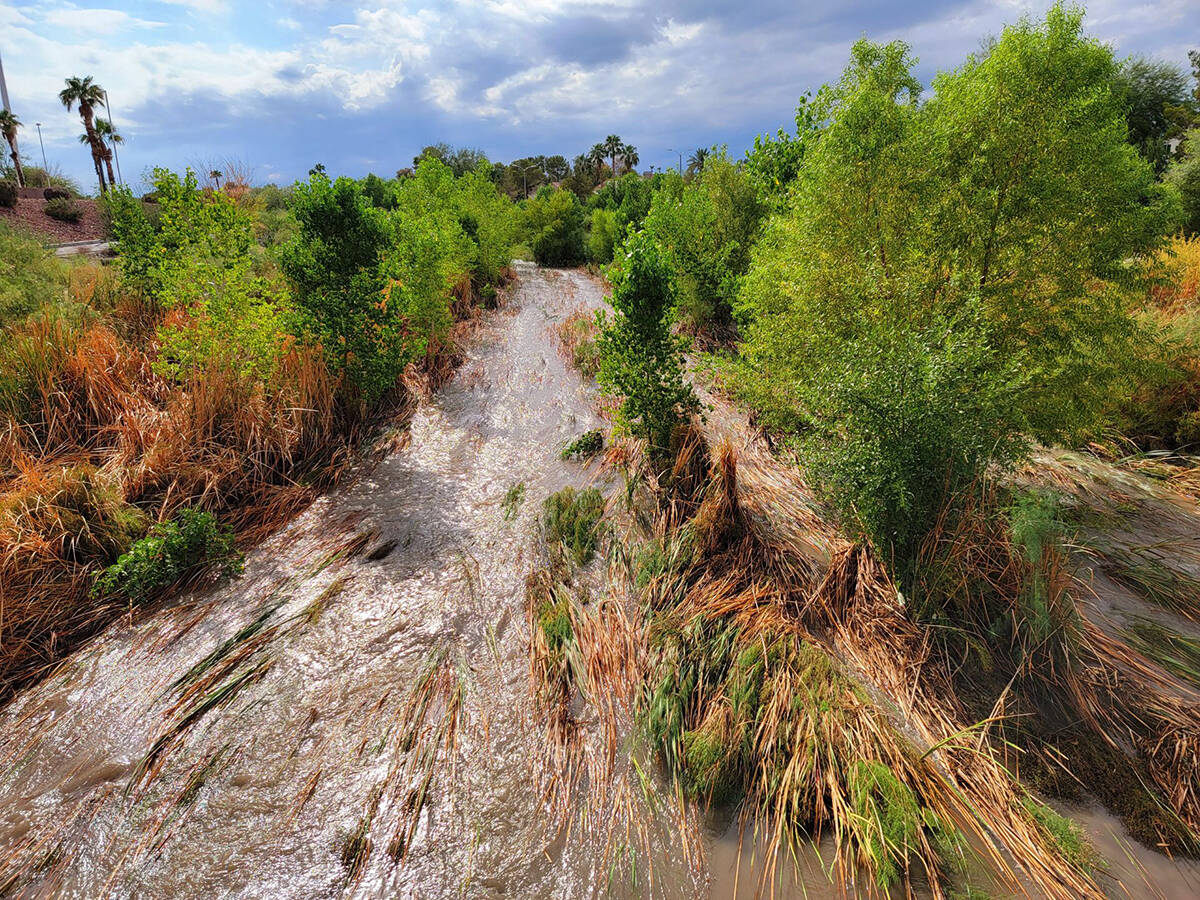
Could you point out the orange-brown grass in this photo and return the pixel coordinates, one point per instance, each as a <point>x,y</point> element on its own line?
<point>90,434</point>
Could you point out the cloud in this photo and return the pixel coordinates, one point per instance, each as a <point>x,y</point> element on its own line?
<point>511,77</point>
<point>95,21</point>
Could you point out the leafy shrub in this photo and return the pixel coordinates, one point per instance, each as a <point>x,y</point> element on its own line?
<point>585,446</point>
<point>64,210</point>
<point>1184,176</point>
<point>571,519</point>
<point>8,194</point>
<point>640,360</point>
<point>554,222</point>
<point>173,550</point>
<point>56,193</point>
<point>706,228</point>
<point>336,263</point>
<point>602,236</point>
<point>952,277</point>
<point>195,260</point>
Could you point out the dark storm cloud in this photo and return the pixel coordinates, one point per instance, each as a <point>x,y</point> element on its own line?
<point>591,40</point>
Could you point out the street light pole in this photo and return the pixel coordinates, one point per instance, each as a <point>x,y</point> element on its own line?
<point>112,133</point>
<point>680,152</point>
<point>45,165</point>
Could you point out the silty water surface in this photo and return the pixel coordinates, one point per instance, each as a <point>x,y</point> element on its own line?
<point>292,783</point>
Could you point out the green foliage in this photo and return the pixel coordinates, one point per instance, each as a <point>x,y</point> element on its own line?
<point>602,236</point>
<point>1065,834</point>
<point>1184,177</point>
<point>950,278</point>
<point>173,550</point>
<point>196,233</point>
<point>8,194</point>
<point>513,498</point>
<point>585,446</point>
<point>773,163</point>
<point>196,257</point>
<point>895,814</point>
<point>1155,93</point>
<point>571,519</point>
<point>554,223</point>
<point>640,360</point>
<point>337,263</point>
<point>706,229</point>
<point>30,276</point>
<point>64,210</point>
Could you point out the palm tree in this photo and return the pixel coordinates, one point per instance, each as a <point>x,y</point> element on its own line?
<point>107,135</point>
<point>696,160</point>
<point>89,95</point>
<point>216,175</point>
<point>629,156</point>
<point>8,127</point>
<point>612,148</point>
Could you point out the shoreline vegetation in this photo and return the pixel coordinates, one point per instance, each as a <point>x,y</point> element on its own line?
<point>906,403</point>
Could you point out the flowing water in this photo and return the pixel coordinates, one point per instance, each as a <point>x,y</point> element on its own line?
<point>352,716</point>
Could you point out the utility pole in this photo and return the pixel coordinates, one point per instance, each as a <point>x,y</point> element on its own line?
<point>45,165</point>
<point>4,87</point>
<point>112,133</point>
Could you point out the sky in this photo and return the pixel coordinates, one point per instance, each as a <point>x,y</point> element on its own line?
<point>278,85</point>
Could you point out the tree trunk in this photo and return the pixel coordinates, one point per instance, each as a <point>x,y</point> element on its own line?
<point>16,158</point>
<point>85,111</point>
<point>108,157</point>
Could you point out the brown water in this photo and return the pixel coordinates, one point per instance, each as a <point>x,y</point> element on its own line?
<point>268,737</point>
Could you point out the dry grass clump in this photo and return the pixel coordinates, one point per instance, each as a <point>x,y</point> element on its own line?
<point>576,337</point>
<point>811,701</point>
<point>92,440</point>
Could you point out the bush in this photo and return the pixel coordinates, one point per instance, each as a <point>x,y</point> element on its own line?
<point>1184,176</point>
<point>602,236</point>
<point>585,446</point>
<point>554,222</point>
<point>954,276</point>
<point>64,210</point>
<point>706,228</point>
<point>56,193</point>
<point>173,550</point>
<point>640,360</point>
<point>8,194</point>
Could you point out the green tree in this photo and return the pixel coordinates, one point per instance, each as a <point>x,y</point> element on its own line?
<point>554,222</point>
<point>1155,92</point>
<point>706,229</point>
<point>641,361</point>
<point>337,264</point>
<point>951,279</point>
<point>1184,176</point>
<point>696,160</point>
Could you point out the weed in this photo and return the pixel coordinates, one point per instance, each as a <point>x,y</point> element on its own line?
<point>172,550</point>
<point>585,446</point>
<point>571,519</point>
<point>513,498</point>
<point>1067,835</point>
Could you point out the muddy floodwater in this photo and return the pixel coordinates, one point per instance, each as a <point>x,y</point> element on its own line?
<point>352,716</point>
